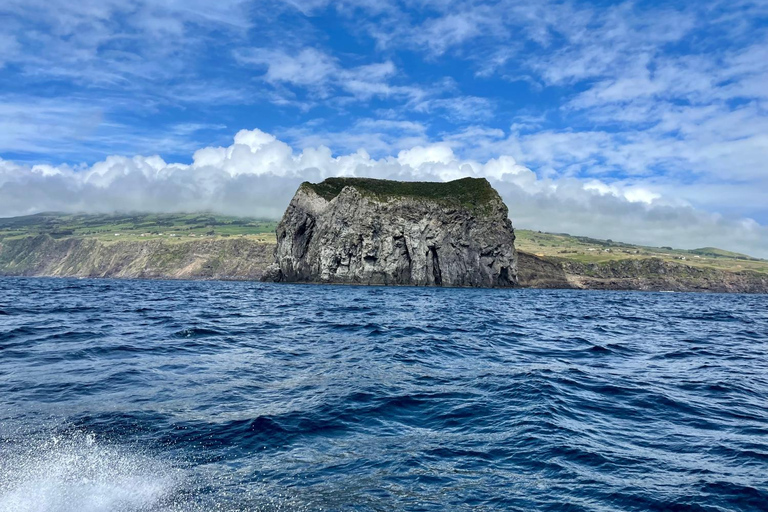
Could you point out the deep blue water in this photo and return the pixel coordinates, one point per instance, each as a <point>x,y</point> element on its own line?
<point>154,396</point>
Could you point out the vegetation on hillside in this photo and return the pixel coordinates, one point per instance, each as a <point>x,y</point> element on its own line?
<point>468,192</point>
<point>592,250</point>
<point>122,227</point>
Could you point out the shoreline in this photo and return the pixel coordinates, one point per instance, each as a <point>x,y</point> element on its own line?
<point>243,259</point>
<point>361,285</point>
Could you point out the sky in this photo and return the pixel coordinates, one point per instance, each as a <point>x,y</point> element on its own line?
<point>642,121</point>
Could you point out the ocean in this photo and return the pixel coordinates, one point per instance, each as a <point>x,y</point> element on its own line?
<point>225,396</point>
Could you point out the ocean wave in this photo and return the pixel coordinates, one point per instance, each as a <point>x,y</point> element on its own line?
<point>173,396</point>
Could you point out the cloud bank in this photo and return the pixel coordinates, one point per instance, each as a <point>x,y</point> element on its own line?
<point>258,174</point>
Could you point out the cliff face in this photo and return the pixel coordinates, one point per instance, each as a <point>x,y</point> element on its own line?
<point>362,231</point>
<point>646,274</point>
<point>235,258</point>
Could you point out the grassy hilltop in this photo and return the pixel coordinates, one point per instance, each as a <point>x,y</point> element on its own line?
<point>137,227</point>
<point>595,251</point>
<point>173,246</point>
<point>473,193</point>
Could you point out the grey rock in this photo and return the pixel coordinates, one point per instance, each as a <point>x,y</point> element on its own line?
<point>376,232</point>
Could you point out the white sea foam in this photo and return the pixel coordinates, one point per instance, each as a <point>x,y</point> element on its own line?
<point>77,473</point>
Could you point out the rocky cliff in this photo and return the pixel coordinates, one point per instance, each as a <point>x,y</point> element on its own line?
<point>366,231</point>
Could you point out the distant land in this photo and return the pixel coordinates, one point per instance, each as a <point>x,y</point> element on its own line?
<point>208,246</point>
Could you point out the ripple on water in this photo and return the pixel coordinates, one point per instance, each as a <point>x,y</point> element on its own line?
<point>186,396</point>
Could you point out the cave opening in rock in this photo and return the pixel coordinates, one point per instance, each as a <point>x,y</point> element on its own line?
<point>437,276</point>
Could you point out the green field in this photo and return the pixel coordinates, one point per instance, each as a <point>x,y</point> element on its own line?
<point>593,250</point>
<point>121,227</point>
<point>474,193</point>
<point>195,226</point>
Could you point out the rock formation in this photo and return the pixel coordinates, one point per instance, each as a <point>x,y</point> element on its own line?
<point>366,231</point>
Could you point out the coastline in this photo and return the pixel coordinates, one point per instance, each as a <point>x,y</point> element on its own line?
<point>242,259</point>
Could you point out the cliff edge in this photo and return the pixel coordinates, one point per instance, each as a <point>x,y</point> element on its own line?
<point>368,231</point>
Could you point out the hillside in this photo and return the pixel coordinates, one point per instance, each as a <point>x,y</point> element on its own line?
<point>139,227</point>
<point>591,250</point>
<point>205,246</point>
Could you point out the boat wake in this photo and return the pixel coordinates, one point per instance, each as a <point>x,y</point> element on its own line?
<point>77,473</point>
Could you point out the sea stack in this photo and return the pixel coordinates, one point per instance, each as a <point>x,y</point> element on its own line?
<point>381,232</point>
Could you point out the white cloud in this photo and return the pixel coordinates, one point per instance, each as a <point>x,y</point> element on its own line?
<point>73,127</point>
<point>9,48</point>
<point>433,154</point>
<point>318,72</point>
<point>308,67</point>
<point>378,136</point>
<point>633,194</point>
<point>449,30</point>
<point>258,174</point>
<point>458,108</point>
<point>117,43</point>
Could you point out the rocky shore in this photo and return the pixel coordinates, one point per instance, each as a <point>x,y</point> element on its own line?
<point>247,259</point>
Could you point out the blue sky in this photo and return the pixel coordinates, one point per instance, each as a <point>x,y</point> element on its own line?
<point>643,121</point>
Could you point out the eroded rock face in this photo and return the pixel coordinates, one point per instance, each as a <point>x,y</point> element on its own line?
<point>364,237</point>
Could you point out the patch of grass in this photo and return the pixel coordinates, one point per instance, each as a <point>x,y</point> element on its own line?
<point>593,250</point>
<point>468,192</point>
<point>714,252</point>
<point>122,227</point>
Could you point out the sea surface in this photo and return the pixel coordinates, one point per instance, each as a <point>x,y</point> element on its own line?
<point>224,396</point>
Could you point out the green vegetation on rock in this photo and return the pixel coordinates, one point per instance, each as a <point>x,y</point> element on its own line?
<point>467,192</point>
